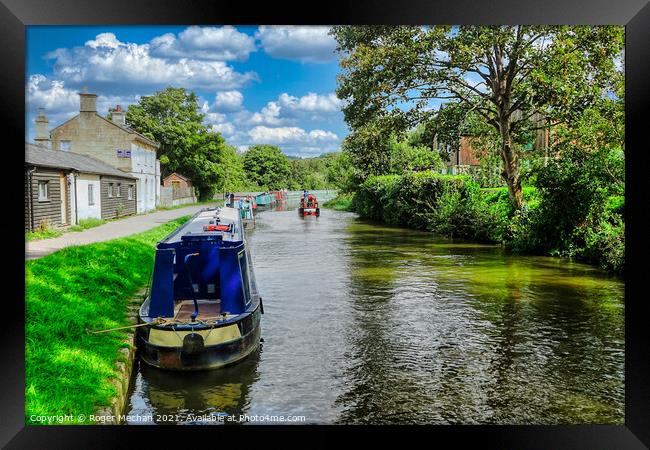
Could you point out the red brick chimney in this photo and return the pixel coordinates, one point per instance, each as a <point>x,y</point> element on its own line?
<point>118,115</point>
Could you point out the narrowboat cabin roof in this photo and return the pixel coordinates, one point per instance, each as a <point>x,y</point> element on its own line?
<point>195,227</point>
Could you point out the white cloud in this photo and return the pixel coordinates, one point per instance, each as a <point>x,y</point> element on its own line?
<point>226,128</point>
<point>50,94</point>
<point>269,115</point>
<point>311,103</point>
<point>108,63</point>
<point>61,103</point>
<point>108,40</point>
<point>289,135</point>
<point>301,43</point>
<point>287,109</point>
<point>56,99</point>
<point>210,43</point>
<point>228,101</point>
<point>214,118</point>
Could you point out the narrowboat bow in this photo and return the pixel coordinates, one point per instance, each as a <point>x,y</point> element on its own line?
<point>203,310</point>
<point>309,206</point>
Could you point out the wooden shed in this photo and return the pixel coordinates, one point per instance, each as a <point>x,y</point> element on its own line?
<point>62,188</point>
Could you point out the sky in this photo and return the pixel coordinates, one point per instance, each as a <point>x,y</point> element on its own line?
<point>256,84</point>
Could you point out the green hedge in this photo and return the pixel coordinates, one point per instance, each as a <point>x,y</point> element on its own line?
<point>558,222</point>
<point>451,205</point>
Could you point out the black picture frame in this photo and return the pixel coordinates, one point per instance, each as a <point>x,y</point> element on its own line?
<point>15,15</point>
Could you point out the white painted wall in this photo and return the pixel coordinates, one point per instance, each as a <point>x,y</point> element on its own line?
<point>84,210</point>
<point>144,168</point>
<point>73,199</point>
<point>157,182</point>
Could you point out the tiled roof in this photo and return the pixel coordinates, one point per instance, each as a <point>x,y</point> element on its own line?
<point>179,176</point>
<point>37,155</point>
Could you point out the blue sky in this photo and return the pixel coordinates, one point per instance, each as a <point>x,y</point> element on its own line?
<point>266,84</point>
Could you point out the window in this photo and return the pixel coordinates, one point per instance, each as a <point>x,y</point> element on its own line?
<point>119,189</point>
<point>65,146</point>
<point>43,191</point>
<point>110,189</point>
<point>130,192</point>
<point>91,194</point>
<point>243,267</point>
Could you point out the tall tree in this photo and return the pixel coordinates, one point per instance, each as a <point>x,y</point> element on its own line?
<point>267,166</point>
<point>391,76</point>
<point>172,117</point>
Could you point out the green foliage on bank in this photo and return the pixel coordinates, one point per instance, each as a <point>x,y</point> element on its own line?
<point>67,369</point>
<point>564,215</point>
<point>446,204</point>
<point>342,202</point>
<point>580,212</point>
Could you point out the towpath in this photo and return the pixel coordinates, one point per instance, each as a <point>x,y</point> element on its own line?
<point>107,231</point>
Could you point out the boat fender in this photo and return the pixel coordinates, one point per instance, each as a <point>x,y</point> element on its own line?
<point>193,344</point>
<point>261,306</point>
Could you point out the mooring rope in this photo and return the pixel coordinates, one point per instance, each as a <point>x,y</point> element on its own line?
<point>162,321</point>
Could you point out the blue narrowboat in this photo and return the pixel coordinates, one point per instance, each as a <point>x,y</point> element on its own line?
<point>203,308</point>
<point>264,199</point>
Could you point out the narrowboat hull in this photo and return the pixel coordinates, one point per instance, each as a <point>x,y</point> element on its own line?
<point>218,355</point>
<point>203,309</point>
<point>309,211</point>
<point>264,200</point>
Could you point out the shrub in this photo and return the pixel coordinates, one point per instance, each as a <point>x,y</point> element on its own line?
<point>446,204</point>
<point>577,212</point>
<point>342,202</point>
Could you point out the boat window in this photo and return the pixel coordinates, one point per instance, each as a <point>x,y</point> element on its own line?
<point>243,267</point>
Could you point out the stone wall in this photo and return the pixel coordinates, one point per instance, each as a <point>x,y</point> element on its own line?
<point>124,368</point>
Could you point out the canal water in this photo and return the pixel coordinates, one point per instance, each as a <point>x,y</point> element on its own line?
<point>371,324</point>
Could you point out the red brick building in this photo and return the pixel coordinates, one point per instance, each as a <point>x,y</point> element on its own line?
<point>176,181</point>
<point>176,190</point>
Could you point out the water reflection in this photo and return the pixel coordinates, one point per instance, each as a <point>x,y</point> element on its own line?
<point>373,324</point>
<point>193,397</point>
<point>455,332</point>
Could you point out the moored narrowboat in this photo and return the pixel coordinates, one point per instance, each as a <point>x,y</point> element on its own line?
<point>264,199</point>
<point>280,196</point>
<point>203,309</point>
<point>246,206</point>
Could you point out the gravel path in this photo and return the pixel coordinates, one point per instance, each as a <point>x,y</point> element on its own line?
<point>108,231</point>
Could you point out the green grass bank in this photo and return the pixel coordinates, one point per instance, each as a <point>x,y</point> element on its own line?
<point>342,202</point>
<point>68,370</point>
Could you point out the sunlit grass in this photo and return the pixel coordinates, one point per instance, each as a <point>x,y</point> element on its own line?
<point>85,224</point>
<point>342,202</point>
<point>68,293</point>
<point>46,234</point>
